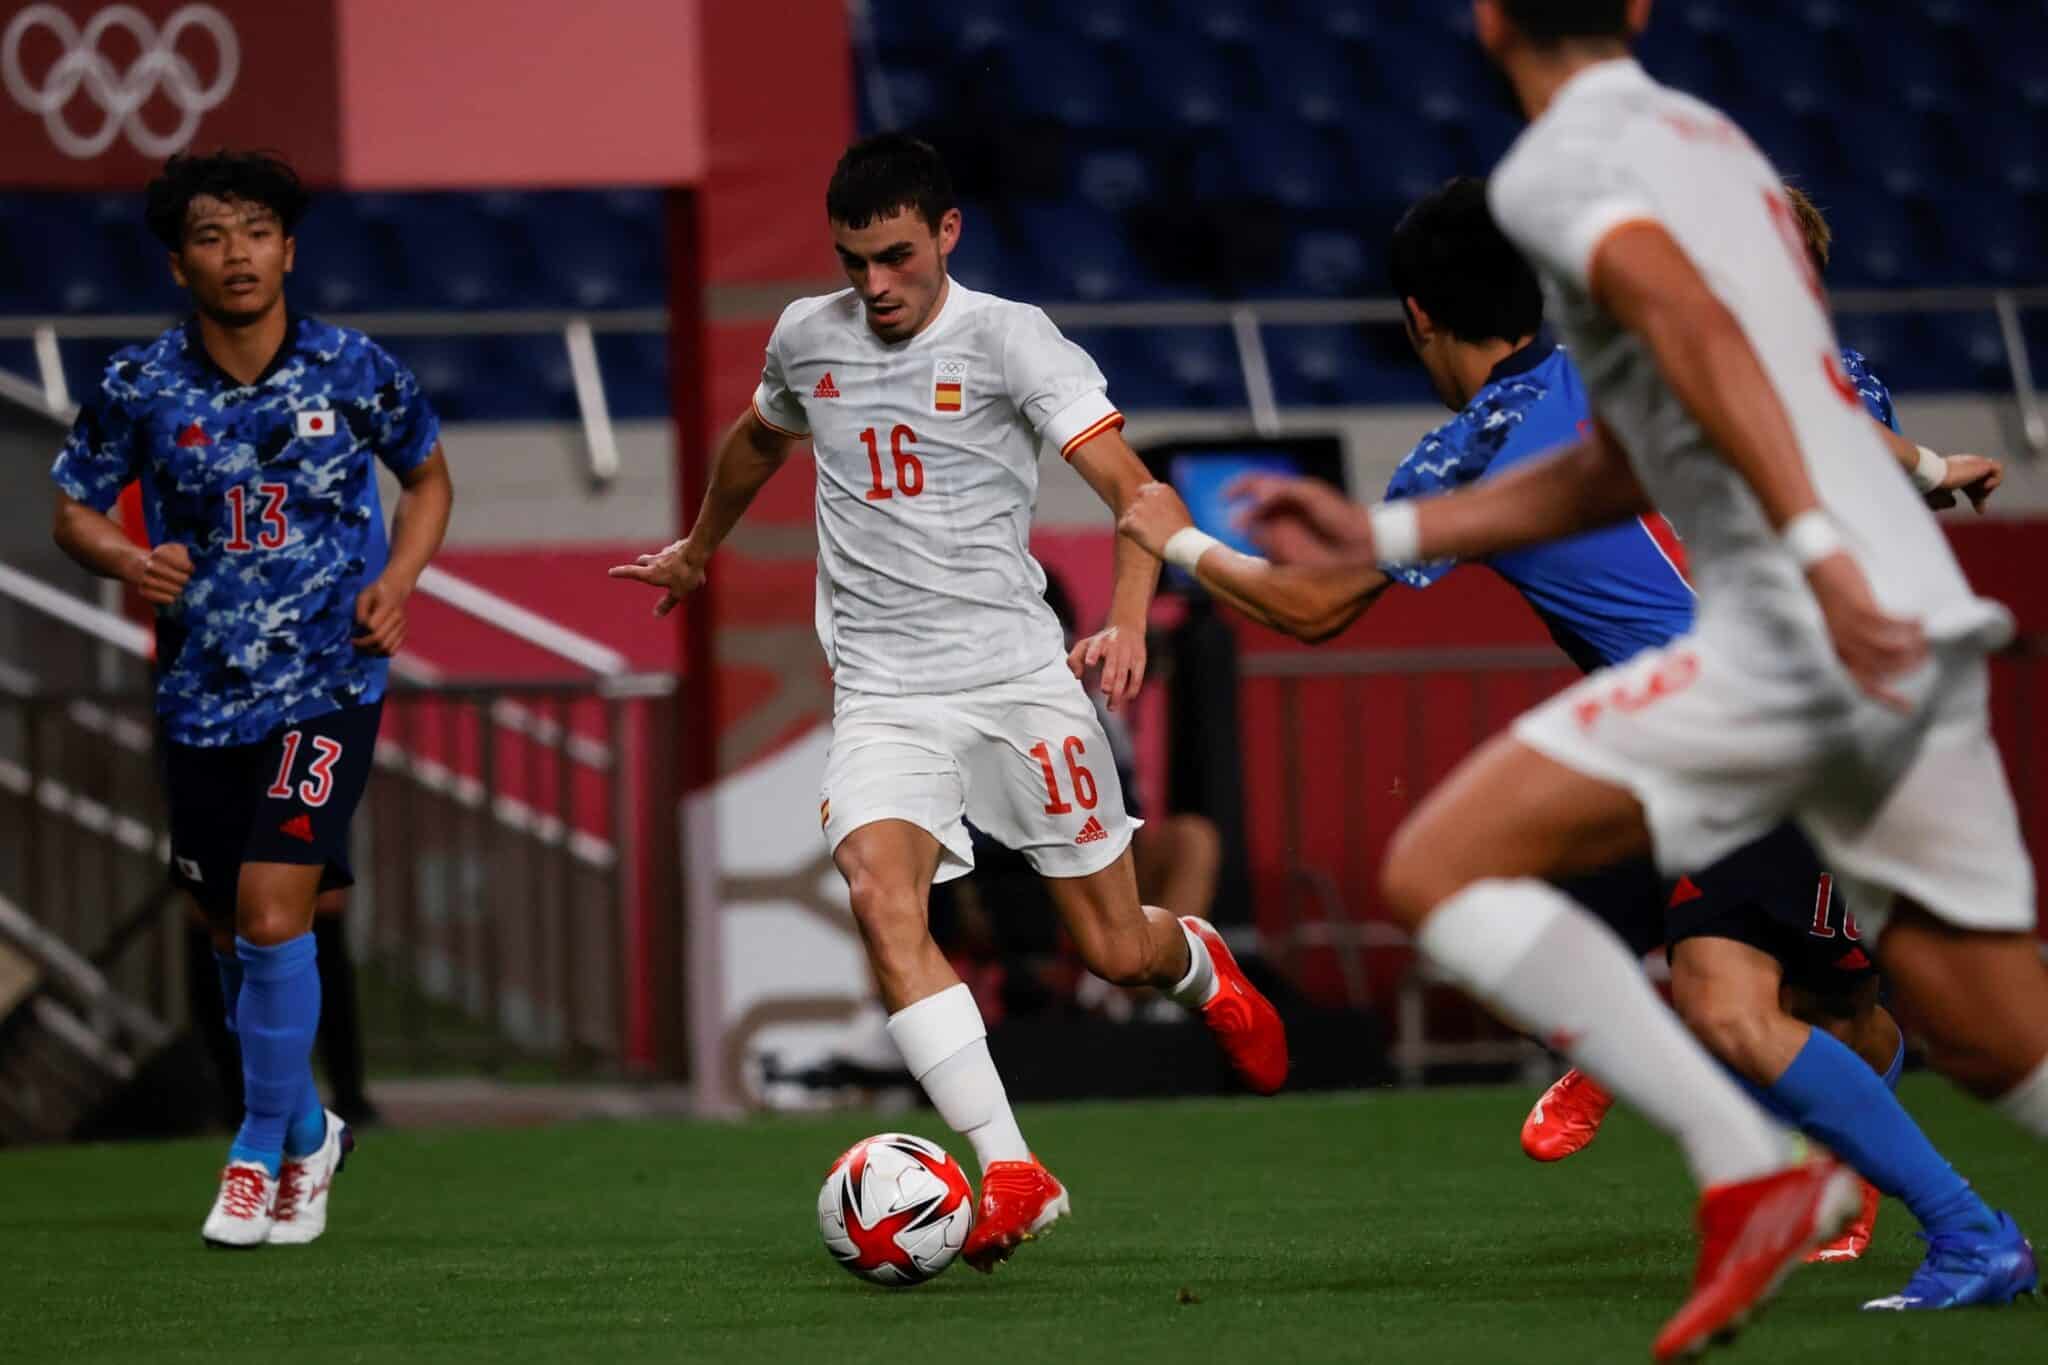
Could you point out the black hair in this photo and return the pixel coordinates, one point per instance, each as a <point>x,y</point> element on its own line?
<point>1556,21</point>
<point>880,176</point>
<point>252,177</point>
<point>1452,259</point>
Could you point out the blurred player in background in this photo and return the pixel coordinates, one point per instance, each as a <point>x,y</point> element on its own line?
<point>926,404</point>
<point>255,433</point>
<point>1795,694</point>
<point>1764,954</point>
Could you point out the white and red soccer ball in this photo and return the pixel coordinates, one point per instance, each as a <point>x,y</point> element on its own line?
<point>895,1209</point>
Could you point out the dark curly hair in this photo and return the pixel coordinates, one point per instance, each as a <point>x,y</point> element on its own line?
<point>881,176</point>
<point>253,177</point>
<point>1554,21</point>
<point>1450,257</point>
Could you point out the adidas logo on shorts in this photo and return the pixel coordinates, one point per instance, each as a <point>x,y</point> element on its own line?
<point>1091,832</point>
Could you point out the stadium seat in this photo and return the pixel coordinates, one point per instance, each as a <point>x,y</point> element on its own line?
<point>1343,366</point>
<point>986,257</point>
<point>1083,255</point>
<point>1061,82</point>
<point>1403,157</point>
<point>1183,83</point>
<point>1275,160</point>
<point>1310,78</point>
<point>1186,367</point>
<point>1114,177</point>
<point>1329,263</point>
<point>1993,238</point>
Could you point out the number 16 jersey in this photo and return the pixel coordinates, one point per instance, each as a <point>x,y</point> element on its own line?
<point>927,457</point>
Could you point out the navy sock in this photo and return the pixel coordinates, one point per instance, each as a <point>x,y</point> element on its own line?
<point>279,1012</point>
<point>1833,1096</point>
<point>230,968</point>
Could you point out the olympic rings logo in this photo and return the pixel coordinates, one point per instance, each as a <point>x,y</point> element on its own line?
<point>120,95</point>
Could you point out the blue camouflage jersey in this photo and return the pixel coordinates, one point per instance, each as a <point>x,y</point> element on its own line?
<point>1877,399</point>
<point>271,489</point>
<point>1605,595</point>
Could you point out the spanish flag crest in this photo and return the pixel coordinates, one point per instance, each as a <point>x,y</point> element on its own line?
<point>949,385</point>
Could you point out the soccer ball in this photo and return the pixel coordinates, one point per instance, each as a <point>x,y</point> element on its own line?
<point>895,1209</point>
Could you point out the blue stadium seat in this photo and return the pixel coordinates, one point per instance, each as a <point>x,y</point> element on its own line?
<point>1343,366</point>
<point>1183,83</point>
<point>1994,238</point>
<point>1105,23</point>
<point>1083,255</point>
<point>1113,177</point>
<point>1062,82</point>
<point>635,368</point>
<point>987,255</point>
<point>1186,367</point>
<point>1311,78</point>
<point>1276,160</point>
<point>336,268</point>
<point>590,251</point>
<point>1401,157</point>
<point>1327,263</point>
<point>910,99</point>
<point>1875,244</point>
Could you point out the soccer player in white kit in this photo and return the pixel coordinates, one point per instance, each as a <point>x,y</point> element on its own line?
<point>1836,673</point>
<point>926,404</point>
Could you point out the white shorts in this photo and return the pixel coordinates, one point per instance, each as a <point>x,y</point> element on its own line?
<point>1720,751</point>
<point>1026,760</point>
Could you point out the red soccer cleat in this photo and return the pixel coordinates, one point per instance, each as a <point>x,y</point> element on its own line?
<point>1244,1021</point>
<point>1019,1200</point>
<point>1566,1118</point>
<point>1855,1239</point>
<point>1752,1234</point>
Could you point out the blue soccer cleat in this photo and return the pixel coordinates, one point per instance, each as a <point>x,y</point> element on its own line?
<point>1960,1271</point>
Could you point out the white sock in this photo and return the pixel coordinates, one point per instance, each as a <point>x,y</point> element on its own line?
<point>1199,986</point>
<point>2027,1103</point>
<point>945,1045</point>
<point>1554,970</point>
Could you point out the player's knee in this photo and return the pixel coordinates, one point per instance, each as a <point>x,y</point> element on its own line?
<point>1412,876</point>
<point>886,909</point>
<point>268,920</point>
<point>1731,1026</point>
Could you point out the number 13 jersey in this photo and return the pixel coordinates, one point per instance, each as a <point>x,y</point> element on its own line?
<point>927,457</point>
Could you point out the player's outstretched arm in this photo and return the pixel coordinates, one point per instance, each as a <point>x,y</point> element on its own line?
<point>1941,477</point>
<point>1644,279</point>
<point>426,497</point>
<point>99,545</point>
<point>747,458</point>
<point>1116,474</point>
<point>1309,602</point>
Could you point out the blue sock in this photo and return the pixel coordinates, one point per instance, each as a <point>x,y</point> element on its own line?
<point>1898,1066</point>
<point>1833,1096</point>
<point>308,1128</point>
<point>230,968</point>
<point>278,1014</point>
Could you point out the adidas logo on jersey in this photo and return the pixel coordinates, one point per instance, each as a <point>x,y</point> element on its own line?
<point>299,827</point>
<point>194,435</point>
<point>825,388</point>
<point>1091,832</point>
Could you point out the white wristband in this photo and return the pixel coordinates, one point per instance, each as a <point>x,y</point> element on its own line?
<point>1811,537</point>
<point>1928,474</point>
<point>1396,533</point>
<point>1185,547</point>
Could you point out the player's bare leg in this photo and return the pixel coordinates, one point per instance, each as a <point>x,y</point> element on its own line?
<point>1179,858</point>
<point>1130,944</point>
<point>889,866</point>
<point>1981,1002</point>
<point>1466,873</point>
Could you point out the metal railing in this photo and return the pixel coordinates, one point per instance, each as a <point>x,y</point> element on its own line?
<point>1248,321</point>
<point>1360,735</point>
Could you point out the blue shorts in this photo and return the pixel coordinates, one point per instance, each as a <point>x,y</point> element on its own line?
<point>286,799</point>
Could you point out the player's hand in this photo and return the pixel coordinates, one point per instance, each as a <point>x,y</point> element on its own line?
<point>1152,516</point>
<point>674,570</point>
<point>1975,477</point>
<point>161,575</point>
<point>1121,653</point>
<point>1873,646</point>
<point>1297,520</point>
<point>380,617</point>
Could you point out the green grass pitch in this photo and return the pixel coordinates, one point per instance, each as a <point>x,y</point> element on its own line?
<point>1390,1226</point>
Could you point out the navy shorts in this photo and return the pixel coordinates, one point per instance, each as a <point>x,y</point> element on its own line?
<point>286,799</point>
<point>1772,894</point>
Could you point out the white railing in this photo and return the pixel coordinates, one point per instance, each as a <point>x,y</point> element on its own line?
<point>1246,319</point>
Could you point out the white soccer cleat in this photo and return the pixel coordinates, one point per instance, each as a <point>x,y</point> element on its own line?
<point>303,1183</point>
<point>241,1214</point>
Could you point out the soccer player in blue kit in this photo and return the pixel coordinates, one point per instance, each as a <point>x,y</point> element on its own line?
<point>1756,933</point>
<point>255,433</point>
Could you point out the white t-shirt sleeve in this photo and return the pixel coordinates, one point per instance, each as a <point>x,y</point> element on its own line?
<point>1055,384</point>
<point>774,402</point>
<point>1558,199</point>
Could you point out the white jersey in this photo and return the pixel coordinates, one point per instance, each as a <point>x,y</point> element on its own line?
<point>1615,147</point>
<point>927,455</point>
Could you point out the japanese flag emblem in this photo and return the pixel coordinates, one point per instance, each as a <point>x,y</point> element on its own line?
<point>316,422</point>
